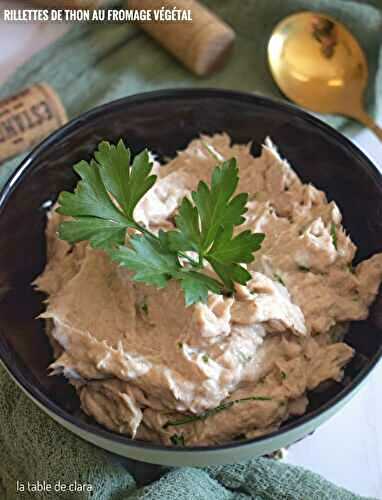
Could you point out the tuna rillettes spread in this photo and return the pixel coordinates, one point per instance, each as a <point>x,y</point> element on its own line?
<point>145,365</point>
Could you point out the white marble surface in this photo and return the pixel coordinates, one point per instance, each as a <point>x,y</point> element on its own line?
<point>348,449</point>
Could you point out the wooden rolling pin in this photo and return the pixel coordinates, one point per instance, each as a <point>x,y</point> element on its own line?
<point>27,118</point>
<point>201,44</point>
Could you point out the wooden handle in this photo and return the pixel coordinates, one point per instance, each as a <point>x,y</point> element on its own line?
<point>370,123</point>
<point>361,115</point>
<point>377,130</point>
<point>27,118</point>
<point>201,44</point>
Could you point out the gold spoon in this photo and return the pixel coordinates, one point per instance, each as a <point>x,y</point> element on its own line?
<point>318,64</point>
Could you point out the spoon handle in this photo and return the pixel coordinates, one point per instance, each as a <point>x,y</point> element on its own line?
<point>367,120</point>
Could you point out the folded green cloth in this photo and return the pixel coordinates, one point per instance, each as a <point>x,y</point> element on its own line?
<point>93,64</point>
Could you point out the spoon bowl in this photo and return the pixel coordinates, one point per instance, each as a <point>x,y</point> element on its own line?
<point>318,64</point>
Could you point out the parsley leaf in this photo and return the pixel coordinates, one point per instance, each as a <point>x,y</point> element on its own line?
<point>90,197</point>
<point>126,184</point>
<point>196,286</point>
<point>150,261</point>
<point>206,227</point>
<point>215,206</point>
<point>100,233</point>
<point>188,236</point>
<point>199,224</point>
<point>154,264</point>
<point>227,251</point>
<point>103,202</point>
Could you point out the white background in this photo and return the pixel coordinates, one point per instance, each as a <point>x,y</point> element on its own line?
<point>346,450</point>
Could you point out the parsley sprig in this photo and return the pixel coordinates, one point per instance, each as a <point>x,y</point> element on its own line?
<point>213,411</point>
<point>102,210</point>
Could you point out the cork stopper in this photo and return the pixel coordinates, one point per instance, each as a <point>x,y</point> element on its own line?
<point>27,118</point>
<point>201,45</point>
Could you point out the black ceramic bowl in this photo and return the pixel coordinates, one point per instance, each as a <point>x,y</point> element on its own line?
<point>166,121</point>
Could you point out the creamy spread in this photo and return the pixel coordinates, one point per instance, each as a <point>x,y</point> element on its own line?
<point>139,359</point>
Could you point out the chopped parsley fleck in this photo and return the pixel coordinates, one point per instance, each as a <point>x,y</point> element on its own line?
<point>205,358</point>
<point>180,345</point>
<point>304,269</point>
<point>279,279</point>
<point>302,230</point>
<point>333,234</point>
<point>177,440</point>
<point>350,268</point>
<point>283,375</point>
<point>244,358</point>
<point>143,306</point>
<point>240,437</point>
<point>209,413</point>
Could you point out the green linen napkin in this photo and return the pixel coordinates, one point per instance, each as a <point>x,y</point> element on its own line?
<point>93,64</point>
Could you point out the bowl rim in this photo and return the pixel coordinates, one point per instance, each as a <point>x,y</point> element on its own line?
<point>165,94</point>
